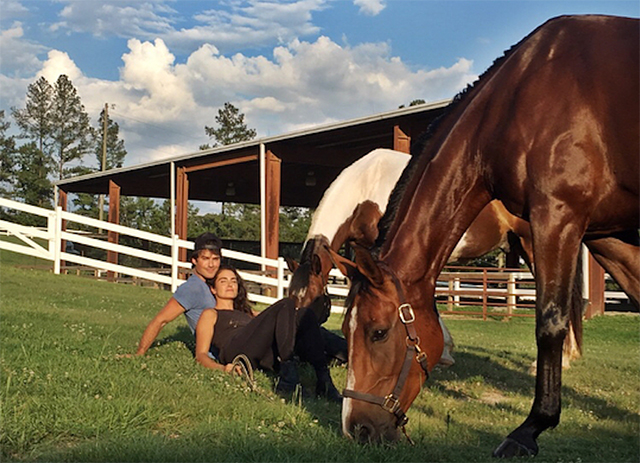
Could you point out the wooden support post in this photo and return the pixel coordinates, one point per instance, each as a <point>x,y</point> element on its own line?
<point>596,302</point>
<point>63,203</point>
<point>272,183</point>
<point>182,208</point>
<point>114,217</point>
<point>401,141</point>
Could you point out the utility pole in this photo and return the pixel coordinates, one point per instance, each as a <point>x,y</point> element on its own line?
<point>104,156</point>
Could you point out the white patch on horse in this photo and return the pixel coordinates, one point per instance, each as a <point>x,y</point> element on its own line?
<point>372,177</point>
<point>459,249</point>
<point>351,379</point>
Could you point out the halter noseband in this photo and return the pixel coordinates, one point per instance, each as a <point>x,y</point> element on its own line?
<point>391,402</point>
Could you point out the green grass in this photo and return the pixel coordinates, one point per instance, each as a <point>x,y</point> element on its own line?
<point>66,395</point>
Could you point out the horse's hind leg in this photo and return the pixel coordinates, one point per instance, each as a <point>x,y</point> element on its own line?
<point>620,257</point>
<point>556,247</point>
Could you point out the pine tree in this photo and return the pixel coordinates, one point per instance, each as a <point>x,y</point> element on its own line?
<point>32,184</point>
<point>116,151</point>
<point>7,158</point>
<point>34,120</point>
<point>232,128</point>
<point>71,131</point>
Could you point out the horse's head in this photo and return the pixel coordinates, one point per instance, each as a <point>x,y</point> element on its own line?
<point>394,341</point>
<point>311,274</point>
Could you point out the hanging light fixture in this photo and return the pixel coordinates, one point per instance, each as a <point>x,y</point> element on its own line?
<point>310,179</point>
<point>231,189</point>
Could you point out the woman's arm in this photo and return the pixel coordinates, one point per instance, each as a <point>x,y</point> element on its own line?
<point>204,336</point>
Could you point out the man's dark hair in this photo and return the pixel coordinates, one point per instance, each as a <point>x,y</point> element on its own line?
<point>206,241</point>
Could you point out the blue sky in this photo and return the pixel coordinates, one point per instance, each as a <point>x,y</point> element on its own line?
<point>168,66</point>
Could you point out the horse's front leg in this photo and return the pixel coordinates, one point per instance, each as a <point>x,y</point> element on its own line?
<point>556,256</point>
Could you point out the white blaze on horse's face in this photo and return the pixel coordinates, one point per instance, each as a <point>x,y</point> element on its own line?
<point>347,403</point>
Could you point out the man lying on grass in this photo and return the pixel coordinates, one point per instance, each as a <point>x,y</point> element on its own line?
<point>194,296</point>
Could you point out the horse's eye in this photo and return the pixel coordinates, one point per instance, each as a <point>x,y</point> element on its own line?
<point>378,335</point>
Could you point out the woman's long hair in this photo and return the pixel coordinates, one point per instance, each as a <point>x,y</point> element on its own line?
<point>241,302</point>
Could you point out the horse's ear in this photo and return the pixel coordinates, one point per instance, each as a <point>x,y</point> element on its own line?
<point>368,266</point>
<point>292,264</point>
<point>346,267</point>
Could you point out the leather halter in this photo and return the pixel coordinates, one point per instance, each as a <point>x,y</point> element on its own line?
<point>391,402</point>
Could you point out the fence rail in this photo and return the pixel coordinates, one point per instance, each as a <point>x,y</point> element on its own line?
<point>169,266</point>
<point>463,290</point>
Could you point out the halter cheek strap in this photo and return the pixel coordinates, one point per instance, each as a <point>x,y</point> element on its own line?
<point>391,402</point>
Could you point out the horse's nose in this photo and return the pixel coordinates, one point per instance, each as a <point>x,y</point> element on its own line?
<point>363,433</point>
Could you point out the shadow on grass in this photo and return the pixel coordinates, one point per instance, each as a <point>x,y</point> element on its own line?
<point>182,335</point>
<point>477,363</point>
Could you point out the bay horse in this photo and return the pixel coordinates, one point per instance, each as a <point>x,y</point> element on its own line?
<point>353,204</point>
<point>552,131</point>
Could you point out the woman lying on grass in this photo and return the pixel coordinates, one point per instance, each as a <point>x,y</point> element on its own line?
<point>269,339</point>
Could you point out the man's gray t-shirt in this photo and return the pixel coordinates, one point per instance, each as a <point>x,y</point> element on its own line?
<point>194,296</point>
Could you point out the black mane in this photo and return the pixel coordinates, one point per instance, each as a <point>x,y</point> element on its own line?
<point>419,150</point>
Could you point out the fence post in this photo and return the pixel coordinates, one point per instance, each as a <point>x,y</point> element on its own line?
<point>175,252</point>
<point>450,296</point>
<point>456,289</point>
<point>511,294</point>
<point>280,276</point>
<point>57,239</point>
<point>484,294</point>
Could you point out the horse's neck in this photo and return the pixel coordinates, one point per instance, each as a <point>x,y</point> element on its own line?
<point>371,178</point>
<point>438,206</point>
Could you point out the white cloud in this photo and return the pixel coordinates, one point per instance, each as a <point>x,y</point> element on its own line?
<point>59,63</point>
<point>18,57</point>
<point>370,7</point>
<point>163,105</point>
<point>123,18</point>
<point>232,26</point>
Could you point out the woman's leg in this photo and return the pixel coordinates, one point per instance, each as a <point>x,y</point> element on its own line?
<point>265,339</point>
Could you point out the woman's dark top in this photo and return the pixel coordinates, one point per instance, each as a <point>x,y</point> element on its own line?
<point>226,326</point>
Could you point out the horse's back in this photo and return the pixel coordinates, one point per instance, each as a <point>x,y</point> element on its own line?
<point>371,177</point>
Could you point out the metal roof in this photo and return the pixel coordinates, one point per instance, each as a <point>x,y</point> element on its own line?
<point>311,159</point>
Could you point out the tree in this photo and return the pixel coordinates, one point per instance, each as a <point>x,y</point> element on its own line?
<point>232,128</point>
<point>34,120</point>
<point>116,151</point>
<point>414,103</point>
<point>294,224</point>
<point>87,204</point>
<point>7,155</point>
<point>32,184</point>
<point>71,131</point>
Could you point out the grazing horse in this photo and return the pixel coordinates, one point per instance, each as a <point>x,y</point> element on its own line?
<point>551,130</point>
<point>353,204</point>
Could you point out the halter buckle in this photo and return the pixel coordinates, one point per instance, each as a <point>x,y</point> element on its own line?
<point>391,403</point>
<point>408,316</point>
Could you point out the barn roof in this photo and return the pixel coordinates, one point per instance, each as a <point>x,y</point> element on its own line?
<point>310,161</point>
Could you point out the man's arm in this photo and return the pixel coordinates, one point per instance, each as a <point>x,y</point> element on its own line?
<point>167,314</point>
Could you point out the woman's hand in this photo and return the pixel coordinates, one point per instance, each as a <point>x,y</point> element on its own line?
<point>231,368</point>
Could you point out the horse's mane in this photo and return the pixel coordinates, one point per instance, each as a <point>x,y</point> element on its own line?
<point>421,155</point>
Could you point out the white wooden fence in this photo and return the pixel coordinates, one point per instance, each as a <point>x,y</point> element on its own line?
<point>511,287</point>
<point>54,235</point>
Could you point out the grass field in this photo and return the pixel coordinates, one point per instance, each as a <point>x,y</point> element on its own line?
<point>67,395</point>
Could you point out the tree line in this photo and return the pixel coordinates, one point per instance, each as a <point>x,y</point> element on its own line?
<point>56,140</point>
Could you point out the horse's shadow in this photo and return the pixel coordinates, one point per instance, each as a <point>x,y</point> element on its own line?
<point>515,378</point>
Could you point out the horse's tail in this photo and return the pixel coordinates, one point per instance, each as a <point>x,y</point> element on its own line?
<point>576,310</point>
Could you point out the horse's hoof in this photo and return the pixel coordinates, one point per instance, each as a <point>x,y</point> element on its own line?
<point>511,448</point>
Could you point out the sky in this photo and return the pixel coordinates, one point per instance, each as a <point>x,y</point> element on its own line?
<point>166,67</point>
